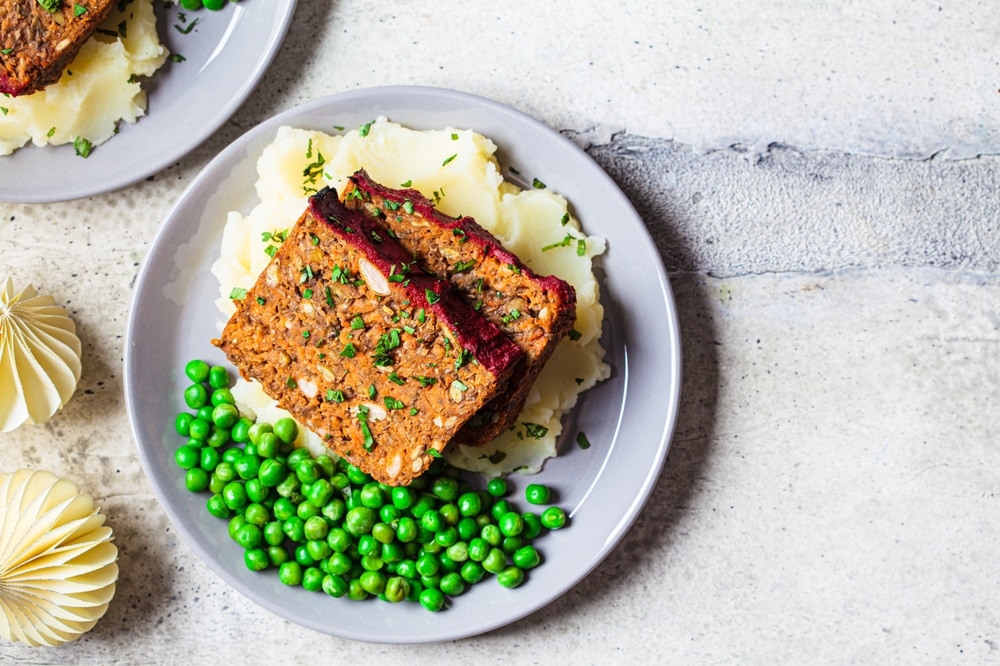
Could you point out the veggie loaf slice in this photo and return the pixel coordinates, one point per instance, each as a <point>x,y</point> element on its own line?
<point>381,360</point>
<point>535,311</point>
<point>36,44</point>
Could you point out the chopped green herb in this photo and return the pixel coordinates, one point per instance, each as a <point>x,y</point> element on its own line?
<point>314,238</point>
<point>290,383</point>
<point>386,343</point>
<point>565,219</point>
<point>408,183</point>
<point>329,296</point>
<point>421,315</point>
<point>51,132</point>
<point>425,381</point>
<point>408,207</point>
<point>463,265</point>
<point>188,28</point>
<point>414,411</point>
<point>567,239</point>
<point>496,457</point>
<point>50,5</point>
<point>393,403</point>
<point>464,356</point>
<point>238,294</point>
<point>366,432</point>
<point>535,430</point>
<point>357,323</point>
<point>371,391</point>
<point>271,250</point>
<point>582,440</point>
<point>260,300</point>
<point>305,334</point>
<point>334,395</point>
<point>449,159</point>
<point>433,453</point>
<point>581,247</point>
<point>511,316</point>
<point>432,297</point>
<point>364,129</point>
<point>7,51</point>
<point>307,294</point>
<point>396,379</point>
<point>349,350</point>
<point>177,57</point>
<point>537,184</point>
<point>454,136</point>
<point>4,110</point>
<point>574,335</point>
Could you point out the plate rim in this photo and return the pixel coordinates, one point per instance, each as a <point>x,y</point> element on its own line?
<point>662,439</point>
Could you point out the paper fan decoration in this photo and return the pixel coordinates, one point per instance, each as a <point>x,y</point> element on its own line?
<point>39,356</point>
<point>58,567</point>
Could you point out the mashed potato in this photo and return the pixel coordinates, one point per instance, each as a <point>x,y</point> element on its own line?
<point>457,169</point>
<point>98,89</point>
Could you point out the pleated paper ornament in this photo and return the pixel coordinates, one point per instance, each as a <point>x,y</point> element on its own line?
<point>58,567</point>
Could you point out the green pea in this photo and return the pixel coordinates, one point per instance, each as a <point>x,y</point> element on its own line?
<point>290,573</point>
<point>240,431</point>
<point>217,506</point>
<point>357,475</point>
<point>248,536</point>
<point>432,599</point>
<point>448,565</point>
<point>339,563</point>
<point>235,523</point>
<point>316,527</point>
<point>452,584</point>
<point>469,504</point>
<point>491,534</point>
<point>403,497</point>
<point>199,428</point>
<point>339,481</point>
<point>218,377</point>
<point>205,412</point>
<point>225,415</point>
<point>196,480</point>
<point>195,396</point>
<point>271,472</point>
<point>256,559</point>
<point>532,525</point>
<point>339,540</point>
<point>396,589</point>
<point>472,572</point>
<point>278,555</point>
<point>446,537</point>
<point>225,471</point>
<point>536,493</point>
<point>367,544</point>
<point>392,552</point>
<point>303,556</point>
<point>219,437</point>
<point>231,455</point>
<point>355,591</point>
<point>305,510</point>
<point>407,569</point>
<point>320,492</point>
<point>209,459</point>
<point>500,508</point>
<point>247,467</point>
<point>449,514</point>
<point>283,509</point>
<point>467,529</point>
<point>478,549</point>
<point>373,582</point>
<point>286,429</point>
<point>215,484</point>
<point>423,504</point>
<point>432,520</point>
<point>445,488</point>
<point>526,557</point>
<point>389,513</point>
<point>510,577</point>
<point>433,582</point>
<point>553,518</point>
<point>273,534</point>
<point>182,424</point>
<point>197,371</point>
<point>458,551</point>
<point>222,396</point>
<point>187,457</point>
<point>511,544</point>
<point>497,487</point>
<point>235,495</point>
<point>383,532</point>
<point>406,529</point>
<point>428,565</point>
<point>318,550</point>
<point>334,510</point>
<point>511,524</point>
<point>289,485</point>
<point>372,495</point>
<point>334,585</point>
<point>495,561</point>
<point>359,520</point>
<point>256,513</point>
<point>294,529</point>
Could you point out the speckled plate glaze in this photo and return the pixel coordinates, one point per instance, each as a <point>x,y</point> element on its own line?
<point>225,55</point>
<point>628,419</point>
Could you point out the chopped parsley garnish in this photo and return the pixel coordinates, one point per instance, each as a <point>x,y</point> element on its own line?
<point>305,334</point>
<point>238,294</point>
<point>50,5</point>
<point>496,457</point>
<point>396,379</point>
<point>188,28</point>
<point>334,395</point>
<point>7,51</point>
<point>433,453</point>
<point>51,132</point>
<point>312,172</point>
<point>314,238</point>
<point>408,207</point>
<point>574,335</point>
<point>364,129</point>
<point>260,300</point>
<point>371,391</point>
<point>567,239</point>
<point>582,441</point>
<point>511,316</point>
<point>535,430</point>
<point>425,381</point>
<point>4,110</point>
<point>177,57</point>
<point>349,350</point>
<point>386,343</point>
<point>464,356</point>
<point>406,184</point>
<point>357,323</point>
<point>290,382</point>
<point>421,316</point>
<point>329,296</point>
<point>454,136</point>
<point>463,265</point>
<point>307,294</point>
<point>432,297</point>
<point>537,184</point>
<point>581,247</point>
<point>393,403</point>
<point>366,432</point>
<point>565,219</point>
<point>449,159</point>
<point>271,250</point>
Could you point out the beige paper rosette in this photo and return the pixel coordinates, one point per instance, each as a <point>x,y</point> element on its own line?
<point>58,567</point>
<point>39,356</point>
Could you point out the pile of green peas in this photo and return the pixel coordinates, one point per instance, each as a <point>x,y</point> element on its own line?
<point>326,525</point>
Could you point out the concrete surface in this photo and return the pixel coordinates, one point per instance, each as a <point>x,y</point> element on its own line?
<point>820,179</point>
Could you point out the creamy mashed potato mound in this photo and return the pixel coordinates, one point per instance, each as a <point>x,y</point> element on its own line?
<point>470,183</point>
<point>99,89</point>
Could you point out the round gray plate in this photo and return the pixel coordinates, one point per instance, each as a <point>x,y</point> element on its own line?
<point>225,55</point>
<point>628,419</point>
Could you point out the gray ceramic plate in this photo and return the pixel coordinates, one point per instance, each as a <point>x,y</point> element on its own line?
<point>225,55</point>
<point>628,418</point>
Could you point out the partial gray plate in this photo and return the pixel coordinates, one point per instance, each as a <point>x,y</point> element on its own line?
<point>628,419</point>
<point>226,54</point>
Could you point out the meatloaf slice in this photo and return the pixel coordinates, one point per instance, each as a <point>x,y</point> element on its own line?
<point>535,311</point>
<point>36,45</point>
<point>381,360</point>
